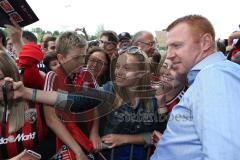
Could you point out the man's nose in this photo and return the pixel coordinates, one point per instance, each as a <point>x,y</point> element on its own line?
<point>170,54</point>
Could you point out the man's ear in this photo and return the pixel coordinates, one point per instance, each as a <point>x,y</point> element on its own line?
<point>60,58</point>
<point>206,41</point>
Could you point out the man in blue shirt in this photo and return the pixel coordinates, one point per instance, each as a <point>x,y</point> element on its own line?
<point>204,125</point>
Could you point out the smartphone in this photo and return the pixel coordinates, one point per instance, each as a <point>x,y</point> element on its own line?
<point>106,145</point>
<point>7,89</point>
<point>31,155</point>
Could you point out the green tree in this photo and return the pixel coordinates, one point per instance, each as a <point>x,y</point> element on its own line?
<point>39,31</point>
<point>49,32</point>
<point>100,28</point>
<point>93,37</point>
<point>56,33</point>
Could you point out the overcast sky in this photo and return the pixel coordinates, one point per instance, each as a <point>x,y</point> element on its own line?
<point>132,15</point>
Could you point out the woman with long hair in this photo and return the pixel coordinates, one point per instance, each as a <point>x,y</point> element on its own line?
<point>22,123</point>
<point>129,126</point>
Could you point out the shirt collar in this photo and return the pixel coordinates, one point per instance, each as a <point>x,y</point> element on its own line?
<point>211,59</point>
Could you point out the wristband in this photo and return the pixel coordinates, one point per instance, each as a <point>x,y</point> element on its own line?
<point>34,95</point>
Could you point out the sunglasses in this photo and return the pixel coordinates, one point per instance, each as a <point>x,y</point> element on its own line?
<point>132,50</point>
<point>107,42</point>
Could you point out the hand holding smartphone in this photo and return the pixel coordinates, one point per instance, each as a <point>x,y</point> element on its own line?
<point>7,90</point>
<point>7,95</point>
<point>105,146</point>
<point>30,155</point>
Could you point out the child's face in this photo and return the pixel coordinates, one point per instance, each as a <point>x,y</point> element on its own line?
<point>74,60</point>
<point>53,65</point>
<point>127,71</point>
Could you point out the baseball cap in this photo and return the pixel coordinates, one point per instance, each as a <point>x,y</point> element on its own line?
<point>124,35</point>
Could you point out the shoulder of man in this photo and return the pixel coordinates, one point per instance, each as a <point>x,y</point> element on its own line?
<point>217,77</point>
<point>219,68</point>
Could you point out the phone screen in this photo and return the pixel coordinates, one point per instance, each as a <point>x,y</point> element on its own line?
<point>31,155</point>
<point>7,94</point>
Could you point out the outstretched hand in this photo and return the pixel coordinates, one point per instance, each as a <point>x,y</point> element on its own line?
<point>18,88</point>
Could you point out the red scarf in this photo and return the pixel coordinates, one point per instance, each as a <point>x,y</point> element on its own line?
<point>29,56</point>
<point>76,132</point>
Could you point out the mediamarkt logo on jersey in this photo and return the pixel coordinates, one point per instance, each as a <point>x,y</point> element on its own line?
<point>18,138</point>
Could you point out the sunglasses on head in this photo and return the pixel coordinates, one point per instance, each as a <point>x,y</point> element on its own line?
<point>131,50</point>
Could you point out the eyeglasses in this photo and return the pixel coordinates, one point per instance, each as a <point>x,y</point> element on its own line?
<point>152,43</point>
<point>98,62</point>
<point>107,42</point>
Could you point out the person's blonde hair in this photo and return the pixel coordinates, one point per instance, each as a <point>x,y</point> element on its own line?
<point>69,40</point>
<point>17,110</point>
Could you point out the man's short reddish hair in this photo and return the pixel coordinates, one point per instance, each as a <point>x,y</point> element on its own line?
<point>199,25</point>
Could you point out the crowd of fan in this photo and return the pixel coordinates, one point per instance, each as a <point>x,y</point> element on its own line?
<point>127,132</point>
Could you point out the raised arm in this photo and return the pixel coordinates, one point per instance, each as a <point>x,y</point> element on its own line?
<point>15,33</point>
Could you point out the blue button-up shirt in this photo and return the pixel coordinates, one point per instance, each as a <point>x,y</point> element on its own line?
<point>205,123</point>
